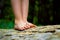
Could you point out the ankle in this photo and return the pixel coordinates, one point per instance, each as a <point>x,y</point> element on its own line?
<point>18,21</point>
<point>25,21</point>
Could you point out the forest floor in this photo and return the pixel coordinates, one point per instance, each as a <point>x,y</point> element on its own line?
<point>49,32</point>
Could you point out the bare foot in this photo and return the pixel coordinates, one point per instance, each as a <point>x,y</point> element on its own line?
<point>30,24</point>
<point>21,25</point>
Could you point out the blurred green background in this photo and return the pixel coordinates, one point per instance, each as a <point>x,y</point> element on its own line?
<point>41,12</point>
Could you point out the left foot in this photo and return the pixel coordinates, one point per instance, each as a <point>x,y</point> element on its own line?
<point>31,25</point>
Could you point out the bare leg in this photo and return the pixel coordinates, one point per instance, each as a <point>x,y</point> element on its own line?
<point>16,5</point>
<point>25,5</point>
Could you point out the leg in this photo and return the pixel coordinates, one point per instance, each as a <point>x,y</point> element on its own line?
<point>25,4</point>
<point>16,4</point>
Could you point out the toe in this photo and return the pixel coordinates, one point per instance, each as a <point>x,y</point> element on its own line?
<point>31,25</point>
<point>28,26</point>
<point>24,28</point>
<point>21,28</point>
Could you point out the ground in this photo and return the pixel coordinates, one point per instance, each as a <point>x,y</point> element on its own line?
<point>49,32</point>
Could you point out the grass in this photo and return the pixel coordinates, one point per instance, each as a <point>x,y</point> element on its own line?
<point>5,24</point>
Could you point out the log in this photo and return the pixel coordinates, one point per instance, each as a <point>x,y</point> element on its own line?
<point>49,32</point>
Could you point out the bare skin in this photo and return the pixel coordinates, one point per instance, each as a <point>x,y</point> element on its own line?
<point>25,5</point>
<point>20,8</point>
